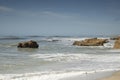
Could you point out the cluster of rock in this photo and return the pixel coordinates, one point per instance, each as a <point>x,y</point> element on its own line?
<point>98,42</point>
<point>28,44</point>
<point>91,42</point>
<point>86,42</point>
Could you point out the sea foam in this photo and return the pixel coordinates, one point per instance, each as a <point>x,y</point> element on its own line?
<point>59,75</point>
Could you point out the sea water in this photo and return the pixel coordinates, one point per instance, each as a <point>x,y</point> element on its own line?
<point>55,59</point>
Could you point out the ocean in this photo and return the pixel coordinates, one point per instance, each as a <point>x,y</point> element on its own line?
<point>55,59</point>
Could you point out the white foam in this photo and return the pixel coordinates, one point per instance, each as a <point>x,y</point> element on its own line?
<point>110,44</point>
<point>114,50</point>
<point>106,58</point>
<point>69,41</point>
<point>47,75</point>
<point>61,57</point>
<point>39,75</point>
<point>73,39</point>
<point>71,57</point>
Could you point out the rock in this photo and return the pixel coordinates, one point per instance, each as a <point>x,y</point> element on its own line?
<point>117,44</point>
<point>115,38</point>
<point>91,42</point>
<point>28,44</point>
<point>55,40</point>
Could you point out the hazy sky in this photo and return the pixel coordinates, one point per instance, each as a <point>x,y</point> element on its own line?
<point>59,17</point>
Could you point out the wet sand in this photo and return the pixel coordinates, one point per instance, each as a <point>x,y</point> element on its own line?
<point>92,76</point>
<point>115,76</point>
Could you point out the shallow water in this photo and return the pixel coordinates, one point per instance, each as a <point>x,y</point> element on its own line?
<point>56,58</point>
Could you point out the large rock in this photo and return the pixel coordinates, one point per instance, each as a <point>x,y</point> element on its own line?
<point>28,44</point>
<point>91,42</point>
<point>117,44</point>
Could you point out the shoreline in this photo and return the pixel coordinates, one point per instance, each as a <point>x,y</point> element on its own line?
<point>114,76</point>
<point>93,76</point>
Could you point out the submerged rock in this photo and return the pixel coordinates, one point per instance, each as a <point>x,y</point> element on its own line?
<point>117,44</point>
<point>28,44</point>
<point>91,42</point>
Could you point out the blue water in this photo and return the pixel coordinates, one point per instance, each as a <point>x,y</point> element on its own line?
<point>55,58</point>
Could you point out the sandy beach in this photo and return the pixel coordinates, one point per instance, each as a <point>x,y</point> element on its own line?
<point>93,76</point>
<point>115,76</point>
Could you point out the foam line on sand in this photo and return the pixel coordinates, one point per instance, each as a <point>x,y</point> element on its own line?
<point>91,76</point>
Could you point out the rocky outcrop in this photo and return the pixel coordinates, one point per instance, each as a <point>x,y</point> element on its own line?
<point>117,44</point>
<point>91,42</point>
<point>28,44</point>
<point>115,38</point>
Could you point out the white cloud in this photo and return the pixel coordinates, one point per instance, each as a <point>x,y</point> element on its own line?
<point>58,15</point>
<point>5,9</point>
<point>47,15</point>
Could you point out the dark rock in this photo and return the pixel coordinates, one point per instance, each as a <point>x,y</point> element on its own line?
<point>55,40</point>
<point>28,44</point>
<point>115,38</point>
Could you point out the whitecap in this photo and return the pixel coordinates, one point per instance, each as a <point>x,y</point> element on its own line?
<point>61,57</point>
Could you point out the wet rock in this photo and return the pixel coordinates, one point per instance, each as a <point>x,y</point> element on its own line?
<point>28,44</point>
<point>115,38</point>
<point>91,42</point>
<point>117,44</point>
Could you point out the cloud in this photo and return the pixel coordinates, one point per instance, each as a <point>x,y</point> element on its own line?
<point>54,14</point>
<point>47,15</point>
<point>5,9</point>
<point>34,14</point>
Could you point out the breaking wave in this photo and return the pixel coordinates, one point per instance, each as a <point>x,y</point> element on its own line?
<point>52,75</point>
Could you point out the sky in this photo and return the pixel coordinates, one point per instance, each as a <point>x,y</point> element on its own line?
<point>59,17</point>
